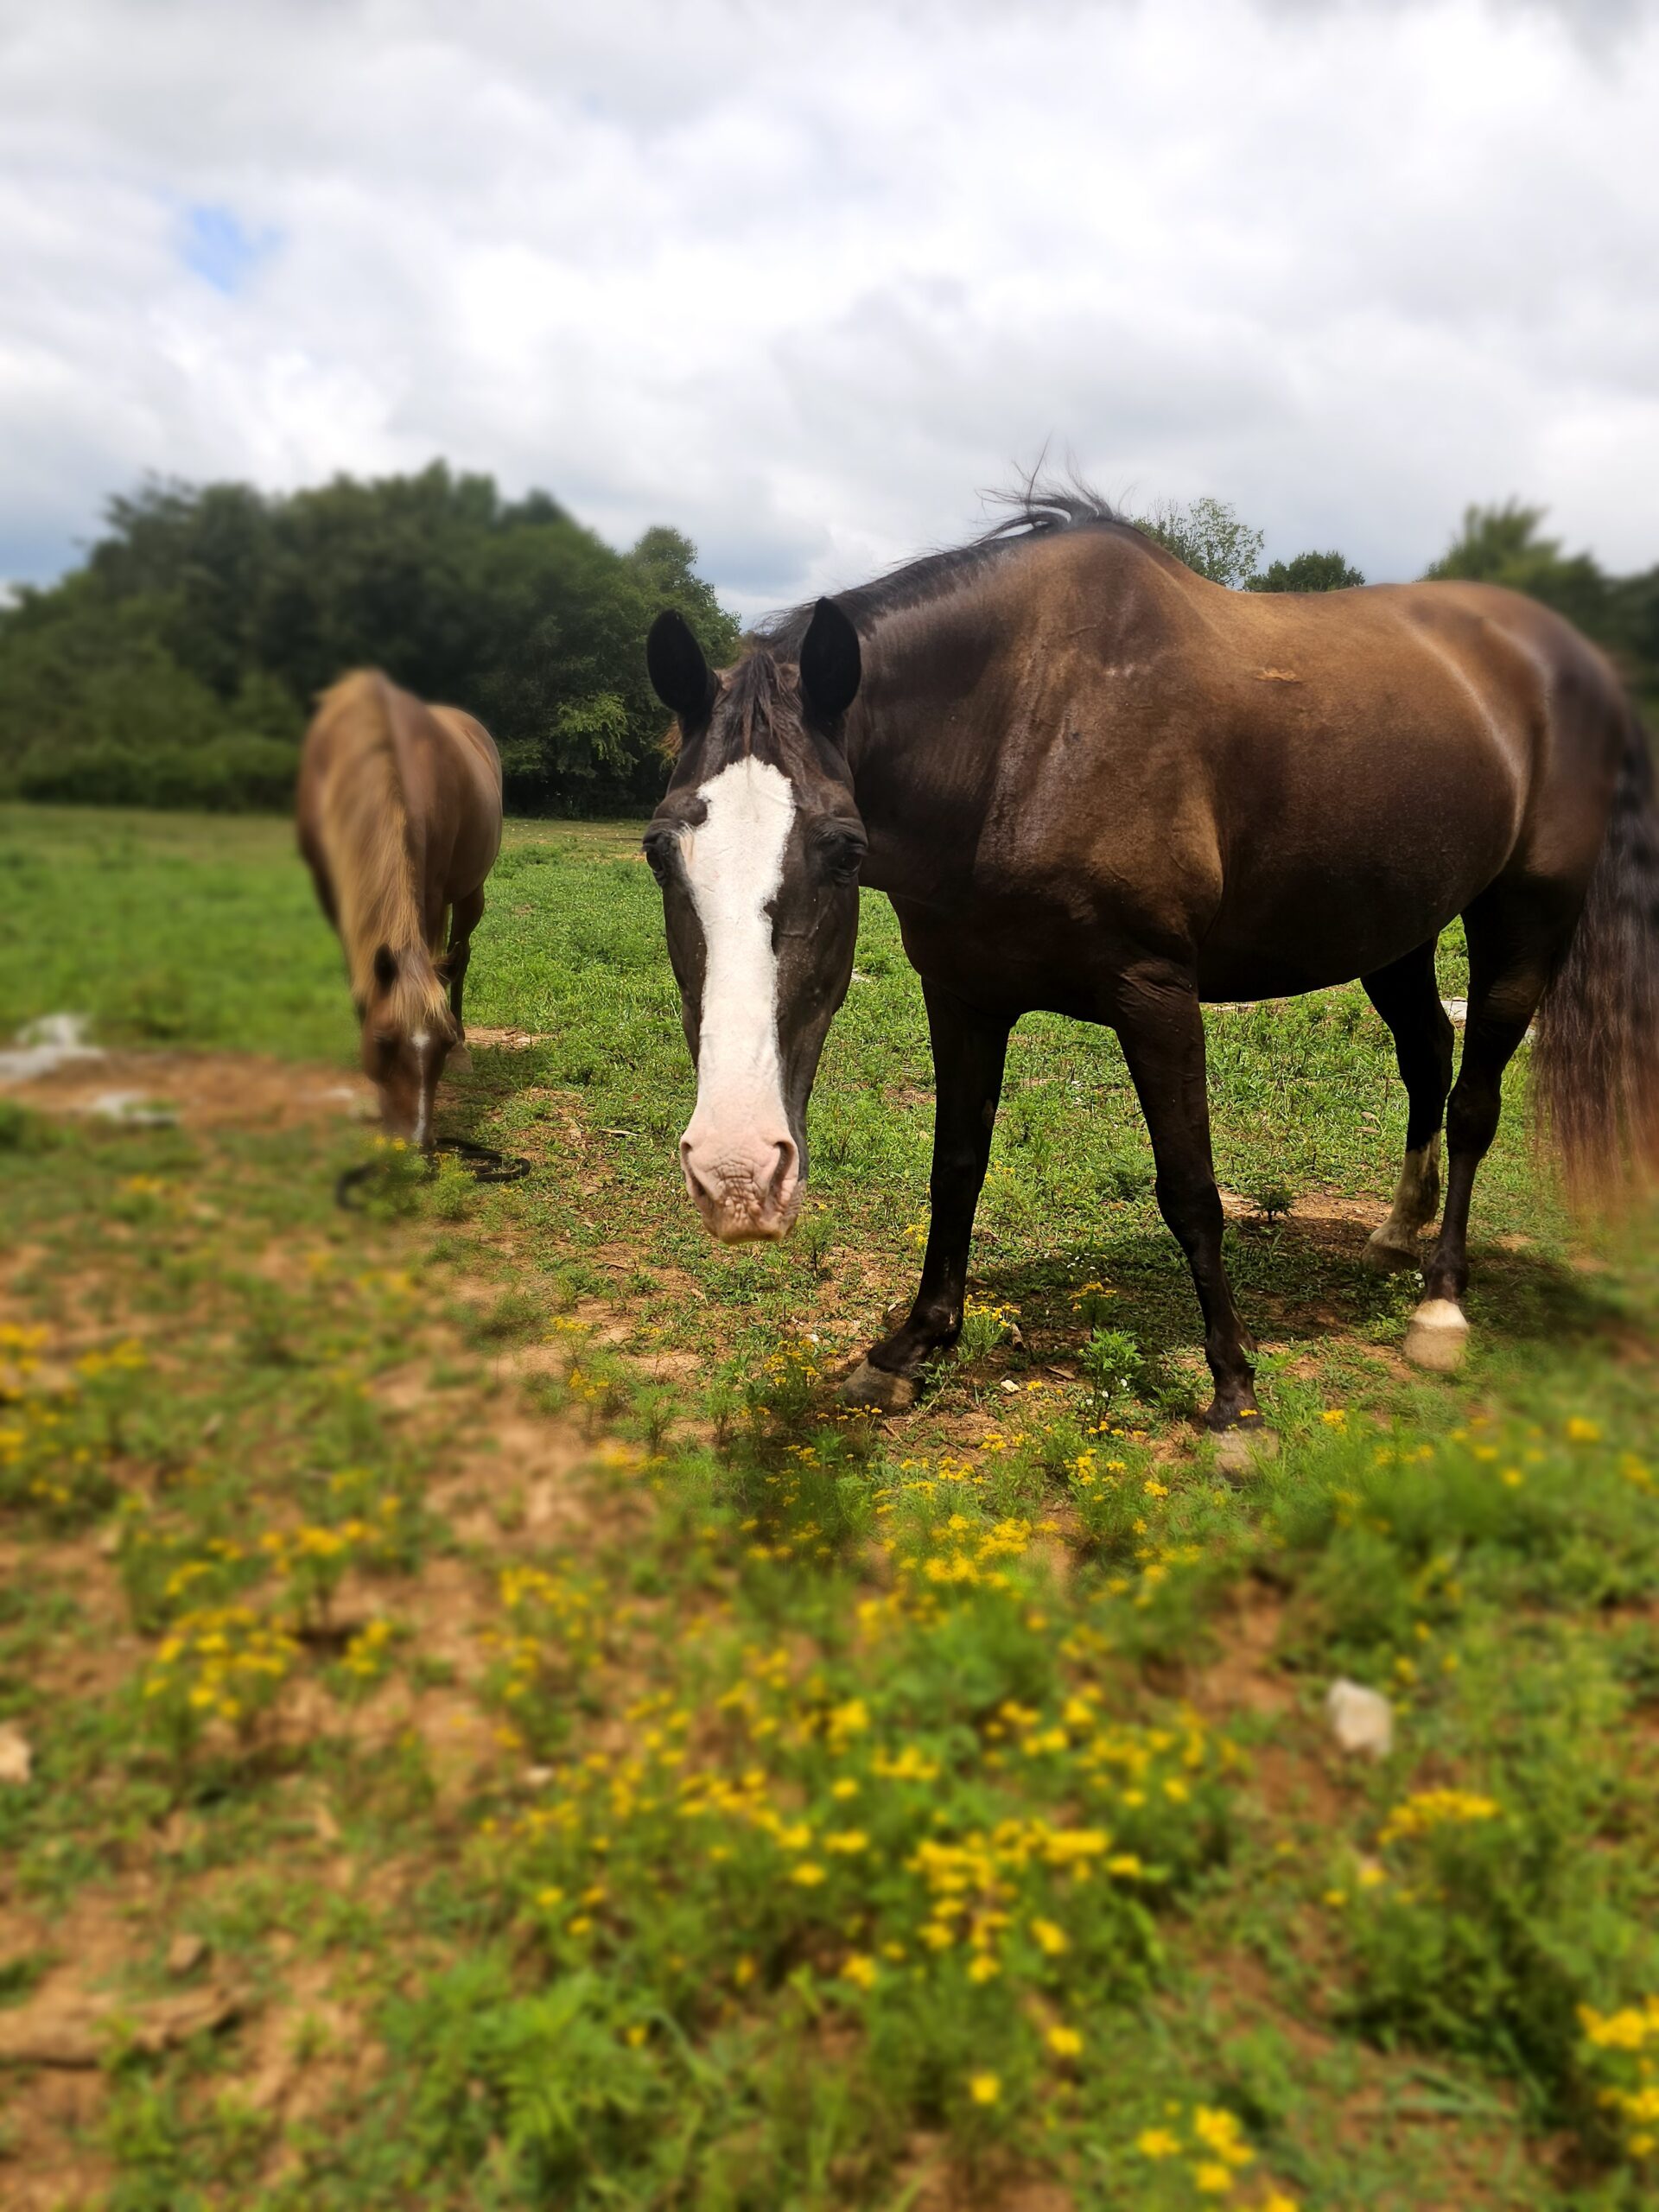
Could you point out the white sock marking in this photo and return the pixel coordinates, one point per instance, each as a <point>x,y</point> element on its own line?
<point>1412,1209</point>
<point>735,863</point>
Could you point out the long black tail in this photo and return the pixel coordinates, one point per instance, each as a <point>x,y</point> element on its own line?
<point>1596,1061</point>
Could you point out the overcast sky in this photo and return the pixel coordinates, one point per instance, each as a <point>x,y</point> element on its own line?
<point>804,279</point>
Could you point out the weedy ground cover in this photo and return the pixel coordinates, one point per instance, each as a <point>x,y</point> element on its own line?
<point>499,1734</point>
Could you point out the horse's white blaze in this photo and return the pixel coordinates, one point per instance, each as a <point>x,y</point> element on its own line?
<point>735,864</point>
<point>422,1041</point>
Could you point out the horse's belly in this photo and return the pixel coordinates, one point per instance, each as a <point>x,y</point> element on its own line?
<point>1305,931</point>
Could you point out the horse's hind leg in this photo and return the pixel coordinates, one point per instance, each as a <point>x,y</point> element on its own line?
<point>1515,939</point>
<point>1407,995</point>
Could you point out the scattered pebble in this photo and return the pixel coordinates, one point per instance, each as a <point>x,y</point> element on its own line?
<point>1361,1720</point>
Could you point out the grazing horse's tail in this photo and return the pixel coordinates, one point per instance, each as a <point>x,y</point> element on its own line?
<point>1598,1052</point>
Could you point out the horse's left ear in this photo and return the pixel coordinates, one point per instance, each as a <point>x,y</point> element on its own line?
<point>831,663</point>
<point>385,966</point>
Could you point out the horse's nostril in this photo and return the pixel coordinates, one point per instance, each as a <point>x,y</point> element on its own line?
<point>783,1173</point>
<point>694,1183</point>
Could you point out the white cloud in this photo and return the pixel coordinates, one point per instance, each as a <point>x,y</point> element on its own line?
<point>804,278</point>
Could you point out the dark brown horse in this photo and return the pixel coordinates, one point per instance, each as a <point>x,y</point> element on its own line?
<point>1092,782</point>
<point>399,811</point>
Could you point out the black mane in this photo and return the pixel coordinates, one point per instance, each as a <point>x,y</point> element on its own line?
<point>758,692</point>
<point>1034,511</point>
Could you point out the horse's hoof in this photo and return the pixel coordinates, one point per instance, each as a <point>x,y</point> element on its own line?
<point>1386,1255</point>
<point>1242,1451</point>
<point>883,1392</point>
<point>1438,1337</point>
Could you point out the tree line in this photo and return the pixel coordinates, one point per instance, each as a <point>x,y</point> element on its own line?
<point>176,666</point>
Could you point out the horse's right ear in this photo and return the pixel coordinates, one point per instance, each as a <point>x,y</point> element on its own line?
<point>679,674</point>
<point>831,663</point>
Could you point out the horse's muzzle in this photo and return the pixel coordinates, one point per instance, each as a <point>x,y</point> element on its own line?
<point>748,1191</point>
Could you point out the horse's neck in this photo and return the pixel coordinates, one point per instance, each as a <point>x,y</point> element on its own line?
<point>374,868</point>
<point>924,755</point>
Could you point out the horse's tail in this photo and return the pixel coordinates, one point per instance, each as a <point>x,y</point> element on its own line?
<point>1596,1061</point>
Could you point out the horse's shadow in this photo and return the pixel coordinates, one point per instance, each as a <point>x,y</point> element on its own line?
<point>1301,1282</point>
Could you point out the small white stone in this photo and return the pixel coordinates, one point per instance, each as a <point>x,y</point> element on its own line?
<point>1361,1720</point>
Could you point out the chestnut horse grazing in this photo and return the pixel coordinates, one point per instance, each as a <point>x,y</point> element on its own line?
<point>1092,782</point>
<point>400,821</point>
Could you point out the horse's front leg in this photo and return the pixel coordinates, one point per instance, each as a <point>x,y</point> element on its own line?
<point>1161,1029</point>
<point>968,1050</point>
<point>463,921</point>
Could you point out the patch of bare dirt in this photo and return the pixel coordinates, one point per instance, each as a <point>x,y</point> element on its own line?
<point>206,1091</point>
<point>1243,1680</point>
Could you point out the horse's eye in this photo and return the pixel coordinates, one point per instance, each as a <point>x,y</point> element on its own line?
<point>659,853</point>
<point>843,851</point>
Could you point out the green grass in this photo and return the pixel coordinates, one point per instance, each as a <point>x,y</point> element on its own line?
<point>604,1775</point>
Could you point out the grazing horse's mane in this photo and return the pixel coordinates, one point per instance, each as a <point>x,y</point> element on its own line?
<point>363,826</point>
<point>1035,510</point>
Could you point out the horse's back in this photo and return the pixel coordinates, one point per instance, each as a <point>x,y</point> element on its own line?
<point>1303,786</point>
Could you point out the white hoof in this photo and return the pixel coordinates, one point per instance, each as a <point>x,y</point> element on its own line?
<point>881,1392</point>
<point>1386,1252</point>
<point>1241,1450</point>
<point>1438,1337</point>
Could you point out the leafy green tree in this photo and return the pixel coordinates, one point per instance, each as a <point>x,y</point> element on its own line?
<point>189,650</point>
<point>1208,535</point>
<point>1307,572</point>
<point>1504,545</point>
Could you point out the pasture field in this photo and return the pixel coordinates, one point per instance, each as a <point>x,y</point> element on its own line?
<point>481,1728</point>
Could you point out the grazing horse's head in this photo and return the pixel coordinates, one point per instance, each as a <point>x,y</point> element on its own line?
<point>757,847</point>
<point>408,1034</point>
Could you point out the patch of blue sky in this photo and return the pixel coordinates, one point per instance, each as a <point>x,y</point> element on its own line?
<point>217,246</point>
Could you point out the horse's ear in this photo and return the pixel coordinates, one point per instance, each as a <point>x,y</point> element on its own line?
<point>831,663</point>
<point>679,674</point>
<point>385,966</point>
